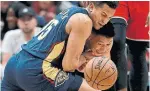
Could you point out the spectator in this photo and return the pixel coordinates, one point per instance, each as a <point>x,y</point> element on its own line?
<point>27,3</point>
<point>47,9</point>
<point>14,39</point>
<point>134,14</point>
<point>63,5</point>
<point>11,17</point>
<point>4,8</point>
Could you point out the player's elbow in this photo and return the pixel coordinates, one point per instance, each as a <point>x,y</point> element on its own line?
<point>70,65</point>
<point>75,65</point>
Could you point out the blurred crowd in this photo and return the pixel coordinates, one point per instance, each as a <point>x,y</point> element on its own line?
<point>45,10</point>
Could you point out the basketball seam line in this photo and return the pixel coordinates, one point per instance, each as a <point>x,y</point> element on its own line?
<point>104,79</point>
<point>99,72</point>
<point>92,70</point>
<point>107,77</point>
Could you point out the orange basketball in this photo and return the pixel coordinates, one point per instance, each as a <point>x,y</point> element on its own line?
<point>100,73</point>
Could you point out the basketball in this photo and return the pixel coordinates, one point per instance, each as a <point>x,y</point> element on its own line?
<point>100,73</point>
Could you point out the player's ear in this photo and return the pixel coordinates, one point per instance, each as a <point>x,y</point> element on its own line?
<point>91,6</point>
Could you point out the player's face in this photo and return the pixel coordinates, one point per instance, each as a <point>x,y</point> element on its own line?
<point>27,23</point>
<point>100,45</point>
<point>101,15</point>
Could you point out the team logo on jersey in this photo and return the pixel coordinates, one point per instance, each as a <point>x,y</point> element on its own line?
<point>61,78</point>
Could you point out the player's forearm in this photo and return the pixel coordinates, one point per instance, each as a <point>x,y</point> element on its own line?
<point>84,58</point>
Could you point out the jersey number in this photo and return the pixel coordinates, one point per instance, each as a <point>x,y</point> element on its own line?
<point>47,29</point>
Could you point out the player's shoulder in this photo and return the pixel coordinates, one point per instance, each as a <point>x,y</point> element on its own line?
<point>78,20</point>
<point>81,18</point>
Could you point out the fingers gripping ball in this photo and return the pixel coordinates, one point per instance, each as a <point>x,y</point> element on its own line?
<point>100,73</point>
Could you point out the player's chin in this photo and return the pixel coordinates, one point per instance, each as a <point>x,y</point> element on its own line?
<point>97,54</point>
<point>98,27</point>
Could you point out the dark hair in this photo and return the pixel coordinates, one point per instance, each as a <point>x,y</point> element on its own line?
<point>16,6</point>
<point>107,30</point>
<point>111,4</point>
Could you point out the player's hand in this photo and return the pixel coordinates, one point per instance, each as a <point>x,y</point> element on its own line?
<point>81,68</point>
<point>147,20</point>
<point>84,59</point>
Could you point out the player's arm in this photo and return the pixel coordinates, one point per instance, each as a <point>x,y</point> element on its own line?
<point>87,56</point>
<point>84,59</point>
<point>79,29</point>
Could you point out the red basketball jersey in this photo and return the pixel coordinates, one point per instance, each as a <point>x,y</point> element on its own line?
<point>135,13</point>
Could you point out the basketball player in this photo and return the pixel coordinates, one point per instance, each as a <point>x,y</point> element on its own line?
<point>48,61</point>
<point>98,44</point>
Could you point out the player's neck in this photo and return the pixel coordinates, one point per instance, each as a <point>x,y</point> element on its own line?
<point>87,10</point>
<point>89,13</point>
